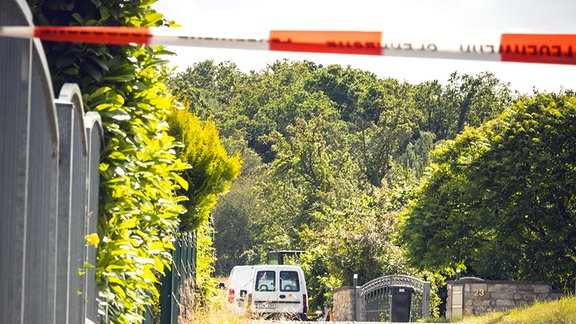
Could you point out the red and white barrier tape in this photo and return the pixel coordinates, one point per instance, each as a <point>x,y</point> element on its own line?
<point>527,48</point>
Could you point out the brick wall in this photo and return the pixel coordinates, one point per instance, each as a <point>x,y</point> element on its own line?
<point>466,297</point>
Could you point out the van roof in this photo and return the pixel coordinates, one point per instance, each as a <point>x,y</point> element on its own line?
<point>269,266</point>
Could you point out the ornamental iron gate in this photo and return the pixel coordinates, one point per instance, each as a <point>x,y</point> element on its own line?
<point>395,298</point>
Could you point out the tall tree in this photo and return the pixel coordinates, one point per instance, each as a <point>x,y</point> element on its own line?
<point>211,170</point>
<point>311,165</point>
<point>355,235</point>
<point>499,199</point>
<point>235,215</point>
<point>343,86</point>
<point>207,87</point>
<point>473,100</point>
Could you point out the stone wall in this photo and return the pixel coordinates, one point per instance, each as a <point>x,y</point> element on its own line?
<point>344,299</point>
<point>478,297</point>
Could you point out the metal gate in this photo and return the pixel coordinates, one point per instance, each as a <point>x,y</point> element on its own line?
<point>376,297</point>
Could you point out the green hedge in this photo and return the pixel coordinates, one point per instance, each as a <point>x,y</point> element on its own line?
<point>139,207</point>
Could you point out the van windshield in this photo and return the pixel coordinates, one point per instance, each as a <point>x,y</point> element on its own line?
<point>265,281</point>
<point>289,281</point>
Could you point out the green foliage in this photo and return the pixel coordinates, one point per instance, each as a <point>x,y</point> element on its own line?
<point>210,174</point>
<point>316,201</point>
<point>139,210</point>
<point>499,199</point>
<point>356,238</point>
<point>209,88</point>
<point>211,169</point>
<point>465,101</point>
<point>234,240</point>
<point>206,284</point>
<point>139,168</point>
<point>254,105</point>
<point>311,169</point>
<point>471,101</point>
<point>341,151</point>
<point>234,214</point>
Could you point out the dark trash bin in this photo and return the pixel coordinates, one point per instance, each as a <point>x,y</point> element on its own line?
<point>400,305</point>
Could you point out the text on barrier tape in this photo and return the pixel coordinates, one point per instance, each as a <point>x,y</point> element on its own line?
<point>341,42</point>
<point>538,48</point>
<point>96,34</point>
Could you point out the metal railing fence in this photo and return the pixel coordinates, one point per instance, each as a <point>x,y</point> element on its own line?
<point>49,179</point>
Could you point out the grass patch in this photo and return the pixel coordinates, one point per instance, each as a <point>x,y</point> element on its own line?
<point>214,310</point>
<point>561,311</point>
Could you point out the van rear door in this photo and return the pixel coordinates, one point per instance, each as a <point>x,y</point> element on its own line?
<point>290,294</point>
<point>265,290</point>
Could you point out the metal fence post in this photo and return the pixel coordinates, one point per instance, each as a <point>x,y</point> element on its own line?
<point>357,301</point>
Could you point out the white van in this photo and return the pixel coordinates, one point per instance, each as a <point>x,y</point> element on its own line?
<point>269,290</point>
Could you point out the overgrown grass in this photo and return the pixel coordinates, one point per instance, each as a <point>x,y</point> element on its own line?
<point>562,311</point>
<point>217,310</point>
<point>214,310</point>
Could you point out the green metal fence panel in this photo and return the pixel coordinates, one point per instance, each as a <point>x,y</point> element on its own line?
<point>182,272</point>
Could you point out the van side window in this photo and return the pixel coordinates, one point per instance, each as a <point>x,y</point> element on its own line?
<point>289,281</point>
<point>265,281</point>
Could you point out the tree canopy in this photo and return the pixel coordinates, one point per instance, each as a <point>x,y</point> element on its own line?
<point>499,199</point>
<point>339,153</point>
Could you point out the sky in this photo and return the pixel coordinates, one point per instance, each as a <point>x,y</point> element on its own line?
<point>400,20</point>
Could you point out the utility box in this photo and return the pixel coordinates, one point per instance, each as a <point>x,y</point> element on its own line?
<point>401,300</point>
